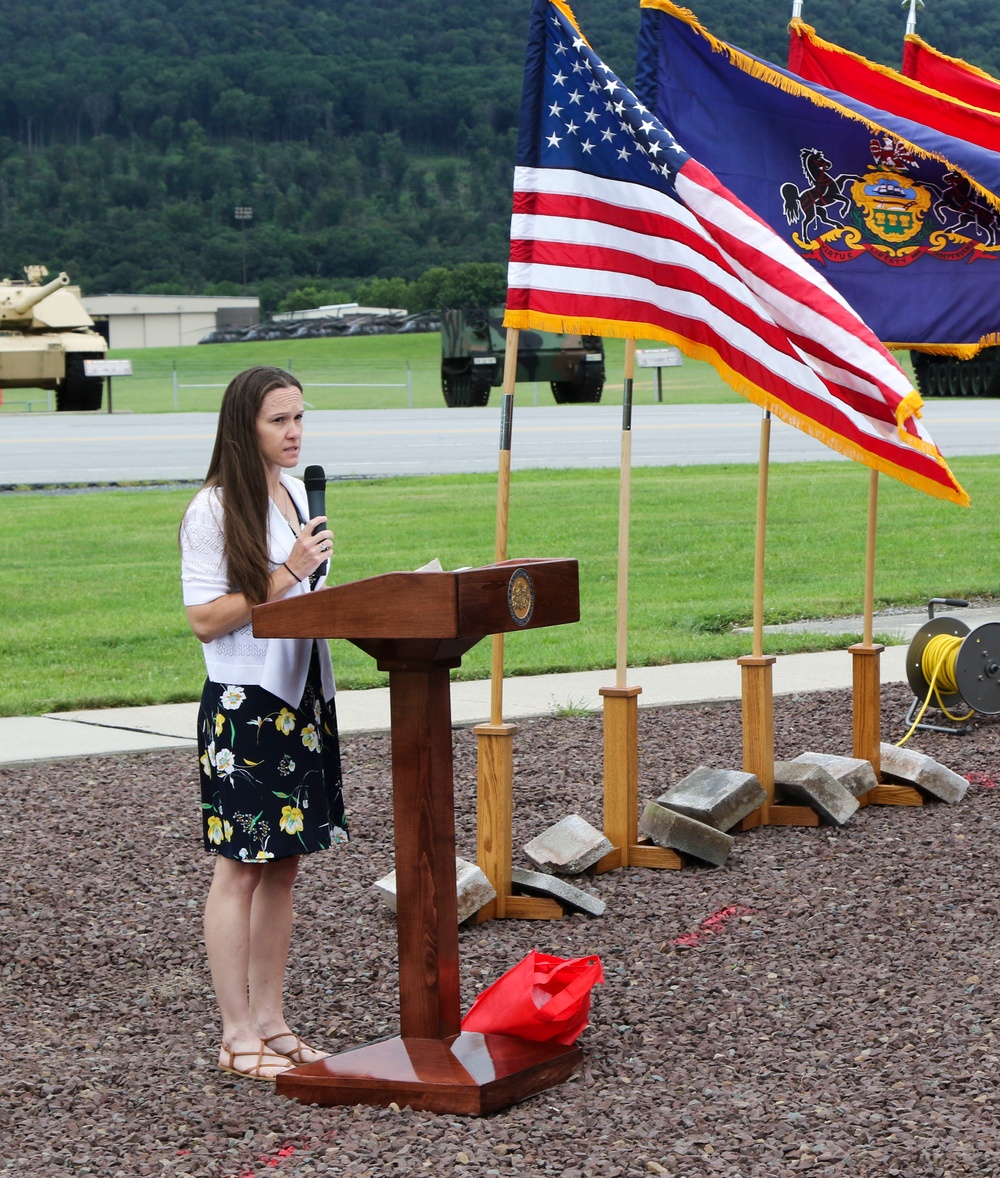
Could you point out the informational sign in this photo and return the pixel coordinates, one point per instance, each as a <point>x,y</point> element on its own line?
<point>658,357</point>
<point>107,368</point>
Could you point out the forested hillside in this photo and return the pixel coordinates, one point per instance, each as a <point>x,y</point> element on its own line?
<point>370,139</point>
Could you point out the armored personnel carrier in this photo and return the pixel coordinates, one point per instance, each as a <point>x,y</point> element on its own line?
<point>472,358</point>
<point>45,336</point>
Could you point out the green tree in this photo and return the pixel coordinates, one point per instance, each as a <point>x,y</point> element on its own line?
<point>472,284</point>
<point>374,142</point>
<point>386,292</point>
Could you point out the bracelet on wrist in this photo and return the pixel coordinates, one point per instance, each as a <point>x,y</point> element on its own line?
<point>285,565</point>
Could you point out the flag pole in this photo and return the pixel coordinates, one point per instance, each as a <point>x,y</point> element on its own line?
<point>495,740</point>
<point>865,655</point>
<point>621,702</point>
<point>761,535</point>
<point>757,690</point>
<point>755,671</point>
<point>624,510</point>
<point>911,19</point>
<point>869,618</point>
<point>503,516</point>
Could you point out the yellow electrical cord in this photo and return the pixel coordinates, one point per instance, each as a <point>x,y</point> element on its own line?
<point>938,666</point>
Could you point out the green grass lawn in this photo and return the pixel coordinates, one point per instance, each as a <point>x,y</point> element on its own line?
<point>100,622</point>
<point>373,372</point>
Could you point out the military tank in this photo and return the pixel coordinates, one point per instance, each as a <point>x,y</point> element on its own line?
<point>473,342</point>
<point>45,337</point>
<point>947,376</point>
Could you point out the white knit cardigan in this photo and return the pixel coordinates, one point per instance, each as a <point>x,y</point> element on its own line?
<point>279,665</point>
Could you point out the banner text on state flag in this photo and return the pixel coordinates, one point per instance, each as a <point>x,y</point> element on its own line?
<point>903,220</point>
<point>617,230</point>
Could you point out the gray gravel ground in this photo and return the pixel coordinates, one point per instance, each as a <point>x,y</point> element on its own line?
<point>838,1018</point>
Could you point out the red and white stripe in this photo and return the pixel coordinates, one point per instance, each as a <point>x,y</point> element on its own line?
<point>608,257</point>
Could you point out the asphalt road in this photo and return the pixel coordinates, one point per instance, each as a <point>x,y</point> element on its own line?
<point>60,448</point>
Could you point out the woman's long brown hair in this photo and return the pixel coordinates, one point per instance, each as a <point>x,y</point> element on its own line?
<point>237,468</point>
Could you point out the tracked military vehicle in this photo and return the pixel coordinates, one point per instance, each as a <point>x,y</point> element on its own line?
<point>946,376</point>
<point>472,359</point>
<point>45,337</point>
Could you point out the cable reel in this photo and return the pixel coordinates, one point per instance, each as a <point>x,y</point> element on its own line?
<point>959,668</point>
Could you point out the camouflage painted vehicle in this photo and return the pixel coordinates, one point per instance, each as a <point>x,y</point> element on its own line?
<point>946,376</point>
<point>472,355</point>
<point>45,336</point>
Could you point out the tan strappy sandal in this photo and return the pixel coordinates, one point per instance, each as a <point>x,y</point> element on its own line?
<point>262,1059</point>
<point>295,1054</point>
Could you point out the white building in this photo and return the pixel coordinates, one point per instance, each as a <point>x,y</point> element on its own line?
<point>335,311</point>
<point>168,321</point>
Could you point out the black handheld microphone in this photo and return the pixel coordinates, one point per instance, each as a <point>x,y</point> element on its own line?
<point>315,481</point>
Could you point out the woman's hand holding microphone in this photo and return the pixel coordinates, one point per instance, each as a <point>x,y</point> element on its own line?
<point>310,549</point>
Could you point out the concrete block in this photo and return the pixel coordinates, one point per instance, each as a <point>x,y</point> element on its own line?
<point>854,773</point>
<point>569,847</point>
<point>539,883</point>
<point>717,797</point>
<point>908,767</point>
<point>812,786</point>
<point>667,828</point>
<point>474,889</point>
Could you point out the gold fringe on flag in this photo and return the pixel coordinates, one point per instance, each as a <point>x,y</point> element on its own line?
<point>959,351</point>
<point>910,406</point>
<point>801,29</point>
<point>973,69</point>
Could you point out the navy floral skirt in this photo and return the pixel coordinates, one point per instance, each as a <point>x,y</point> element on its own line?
<point>270,774</point>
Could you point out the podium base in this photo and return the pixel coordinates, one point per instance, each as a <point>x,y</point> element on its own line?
<point>470,1073</point>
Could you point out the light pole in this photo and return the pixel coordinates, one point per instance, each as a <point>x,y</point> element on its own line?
<point>243,214</point>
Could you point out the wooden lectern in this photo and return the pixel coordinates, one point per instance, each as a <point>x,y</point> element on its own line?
<point>417,626</point>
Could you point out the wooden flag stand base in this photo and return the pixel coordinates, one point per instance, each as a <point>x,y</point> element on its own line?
<point>495,777</point>
<point>621,787</point>
<point>758,745</point>
<point>868,727</point>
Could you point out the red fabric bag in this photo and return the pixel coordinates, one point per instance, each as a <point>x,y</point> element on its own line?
<point>541,998</point>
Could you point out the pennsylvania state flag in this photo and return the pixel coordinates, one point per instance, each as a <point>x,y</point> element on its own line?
<point>903,220</point>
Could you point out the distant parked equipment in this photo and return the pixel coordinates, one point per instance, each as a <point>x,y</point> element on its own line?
<point>45,337</point>
<point>473,342</point>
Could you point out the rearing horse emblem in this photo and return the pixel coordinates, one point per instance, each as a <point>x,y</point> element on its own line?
<point>811,206</point>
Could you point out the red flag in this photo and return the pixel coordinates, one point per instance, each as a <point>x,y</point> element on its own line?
<point>949,75</point>
<point>618,231</point>
<point>819,61</point>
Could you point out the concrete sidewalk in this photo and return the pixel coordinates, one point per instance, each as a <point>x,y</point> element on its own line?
<point>130,730</point>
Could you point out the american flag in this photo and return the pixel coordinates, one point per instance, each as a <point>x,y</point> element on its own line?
<point>617,231</point>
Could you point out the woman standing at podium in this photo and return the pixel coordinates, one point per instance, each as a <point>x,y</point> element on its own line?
<point>267,730</point>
